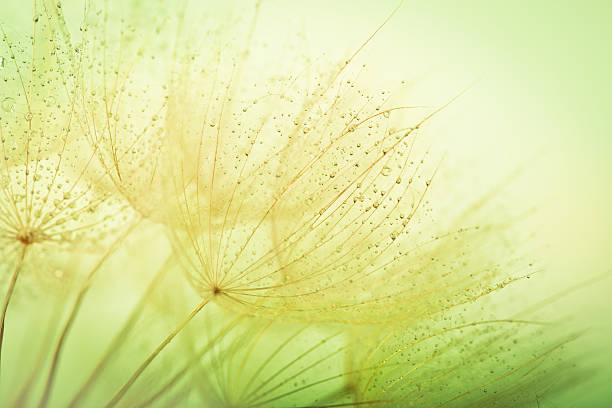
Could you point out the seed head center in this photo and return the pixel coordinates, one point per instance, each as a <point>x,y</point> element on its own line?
<point>26,236</point>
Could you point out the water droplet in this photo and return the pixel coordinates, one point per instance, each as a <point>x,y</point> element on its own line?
<point>50,101</point>
<point>8,104</point>
<point>386,114</point>
<point>386,171</point>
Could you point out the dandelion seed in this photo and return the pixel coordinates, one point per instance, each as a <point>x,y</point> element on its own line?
<point>299,223</point>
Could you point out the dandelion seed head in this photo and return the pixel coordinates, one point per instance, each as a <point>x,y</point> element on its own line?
<point>27,236</point>
<point>48,193</point>
<point>300,199</point>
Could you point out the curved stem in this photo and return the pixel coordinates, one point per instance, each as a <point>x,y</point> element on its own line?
<point>9,294</point>
<point>26,387</point>
<point>154,354</point>
<point>190,364</point>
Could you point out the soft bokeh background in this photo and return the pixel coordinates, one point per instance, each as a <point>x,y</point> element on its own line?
<point>539,101</point>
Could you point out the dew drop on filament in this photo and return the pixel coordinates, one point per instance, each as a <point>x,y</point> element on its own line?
<point>8,104</point>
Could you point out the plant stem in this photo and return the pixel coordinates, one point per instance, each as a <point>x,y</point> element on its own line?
<point>154,354</point>
<point>9,294</point>
<point>190,364</point>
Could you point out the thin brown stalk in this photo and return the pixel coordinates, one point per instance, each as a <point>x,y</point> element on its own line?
<point>190,364</point>
<point>155,353</point>
<point>9,294</point>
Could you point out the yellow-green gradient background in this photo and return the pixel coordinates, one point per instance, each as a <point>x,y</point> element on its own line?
<point>540,101</point>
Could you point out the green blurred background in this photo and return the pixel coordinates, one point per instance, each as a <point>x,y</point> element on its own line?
<point>540,101</point>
